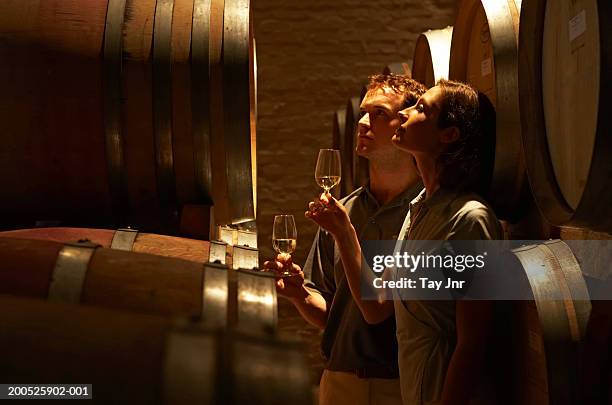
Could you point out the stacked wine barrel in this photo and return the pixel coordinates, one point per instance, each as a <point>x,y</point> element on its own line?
<point>398,68</point>
<point>565,121</point>
<point>359,169</point>
<point>344,138</point>
<point>338,143</point>
<point>130,358</point>
<point>195,318</point>
<point>114,113</point>
<point>431,55</point>
<point>484,54</point>
<point>546,180</point>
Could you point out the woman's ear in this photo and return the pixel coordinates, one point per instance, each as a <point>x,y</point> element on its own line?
<point>449,135</point>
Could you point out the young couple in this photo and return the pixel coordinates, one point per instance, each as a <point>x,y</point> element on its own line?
<point>424,151</point>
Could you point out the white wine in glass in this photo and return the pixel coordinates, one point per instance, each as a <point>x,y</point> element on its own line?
<point>284,245</point>
<point>284,237</point>
<point>327,172</point>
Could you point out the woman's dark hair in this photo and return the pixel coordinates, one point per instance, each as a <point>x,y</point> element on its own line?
<point>466,163</point>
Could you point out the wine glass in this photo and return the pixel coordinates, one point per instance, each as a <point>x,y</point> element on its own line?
<point>327,172</point>
<point>284,237</point>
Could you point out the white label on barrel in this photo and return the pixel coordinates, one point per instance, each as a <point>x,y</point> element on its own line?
<point>577,25</point>
<point>485,67</point>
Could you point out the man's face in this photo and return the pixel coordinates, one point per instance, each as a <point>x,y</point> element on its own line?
<point>379,121</point>
<point>419,132</point>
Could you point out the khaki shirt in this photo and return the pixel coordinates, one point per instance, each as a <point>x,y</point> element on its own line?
<point>426,330</point>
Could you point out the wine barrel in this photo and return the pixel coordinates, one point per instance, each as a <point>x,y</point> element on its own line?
<point>338,140</point>
<point>338,128</point>
<point>399,68</point>
<point>359,165</point>
<point>484,54</point>
<point>551,326</point>
<point>133,359</point>
<point>594,254</point>
<point>431,56</point>
<point>122,239</point>
<point>564,50</point>
<point>108,113</point>
<point>240,120</point>
<point>346,154</point>
<point>593,251</point>
<point>596,367</point>
<point>137,282</point>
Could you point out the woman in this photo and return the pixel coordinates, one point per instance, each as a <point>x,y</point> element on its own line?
<point>441,343</point>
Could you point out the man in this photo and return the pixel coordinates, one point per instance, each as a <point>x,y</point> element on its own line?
<point>360,357</point>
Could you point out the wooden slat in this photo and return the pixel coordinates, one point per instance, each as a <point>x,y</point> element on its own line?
<point>237,81</point>
<point>200,97</point>
<point>563,308</point>
<point>484,54</point>
<point>161,245</point>
<point>432,55</point>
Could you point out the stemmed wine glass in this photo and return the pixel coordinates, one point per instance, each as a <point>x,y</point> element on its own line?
<point>284,237</point>
<point>327,172</point>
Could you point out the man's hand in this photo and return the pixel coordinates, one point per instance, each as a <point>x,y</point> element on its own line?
<point>291,287</point>
<point>329,214</point>
<point>309,302</point>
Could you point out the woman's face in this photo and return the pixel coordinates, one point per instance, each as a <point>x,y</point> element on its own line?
<point>419,132</point>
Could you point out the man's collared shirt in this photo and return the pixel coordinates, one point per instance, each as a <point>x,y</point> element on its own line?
<point>349,343</point>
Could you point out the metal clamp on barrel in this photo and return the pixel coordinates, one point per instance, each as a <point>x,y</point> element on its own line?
<point>190,367</point>
<point>215,295</point>
<point>70,270</point>
<point>207,366</point>
<point>227,235</point>
<point>257,307</point>
<point>573,288</point>
<point>245,258</point>
<point>217,252</point>
<point>550,290</point>
<point>162,112</point>
<point>259,376</point>
<point>124,238</point>
<point>246,238</point>
<point>114,138</point>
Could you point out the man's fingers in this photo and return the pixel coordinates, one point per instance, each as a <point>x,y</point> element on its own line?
<point>270,265</point>
<point>328,202</point>
<point>312,215</point>
<point>283,257</point>
<point>315,206</point>
<point>273,266</point>
<point>332,202</point>
<point>324,198</point>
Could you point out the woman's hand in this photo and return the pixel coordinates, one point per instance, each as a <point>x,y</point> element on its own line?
<point>329,214</point>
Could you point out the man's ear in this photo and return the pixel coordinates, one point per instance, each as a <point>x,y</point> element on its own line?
<point>450,135</point>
